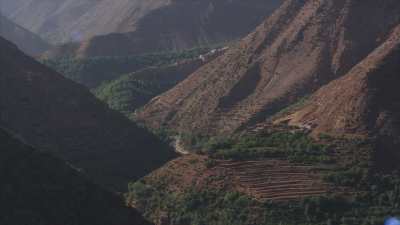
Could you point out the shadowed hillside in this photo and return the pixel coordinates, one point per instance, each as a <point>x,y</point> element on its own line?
<point>179,25</point>
<point>74,20</point>
<point>94,71</point>
<point>28,42</point>
<point>60,116</point>
<point>38,189</point>
<point>131,91</point>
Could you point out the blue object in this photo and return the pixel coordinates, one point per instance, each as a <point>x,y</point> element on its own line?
<point>392,221</point>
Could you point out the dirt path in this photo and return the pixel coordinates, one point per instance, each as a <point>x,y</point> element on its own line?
<point>178,146</point>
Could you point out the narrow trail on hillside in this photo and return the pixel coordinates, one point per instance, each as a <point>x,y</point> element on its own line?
<point>178,146</point>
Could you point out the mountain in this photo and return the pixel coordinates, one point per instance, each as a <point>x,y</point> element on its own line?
<point>74,20</point>
<point>179,25</point>
<point>57,115</point>
<point>366,101</point>
<point>28,42</point>
<point>39,189</point>
<point>299,48</point>
<point>298,123</point>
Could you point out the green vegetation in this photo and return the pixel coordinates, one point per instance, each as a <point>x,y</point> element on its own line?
<point>377,200</point>
<point>359,194</point>
<point>94,71</point>
<point>127,93</point>
<point>131,91</point>
<point>298,104</point>
<point>295,146</point>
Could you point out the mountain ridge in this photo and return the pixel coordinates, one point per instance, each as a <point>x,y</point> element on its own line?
<point>29,42</point>
<point>364,102</point>
<point>42,189</point>
<point>76,20</point>
<point>176,26</point>
<point>57,115</point>
<point>266,71</point>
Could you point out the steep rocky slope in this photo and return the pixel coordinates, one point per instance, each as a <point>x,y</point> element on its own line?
<point>39,189</point>
<point>301,47</point>
<point>366,101</point>
<point>180,25</point>
<point>74,20</point>
<point>55,114</point>
<point>28,42</point>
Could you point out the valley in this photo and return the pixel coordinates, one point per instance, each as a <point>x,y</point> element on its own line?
<point>188,112</point>
<point>95,71</point>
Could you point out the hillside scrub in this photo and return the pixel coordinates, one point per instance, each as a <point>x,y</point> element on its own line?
<point>133,90</point>
<point>295,146</point>
<point>92,72</point>
<point>370,205</point>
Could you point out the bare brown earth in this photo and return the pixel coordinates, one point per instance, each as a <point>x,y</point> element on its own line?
<point>178,25</point>
<point>276,179</point>
<point>366,101</point>
<point>304,45</point>
<point>264,180</point>
<point>362,100</point>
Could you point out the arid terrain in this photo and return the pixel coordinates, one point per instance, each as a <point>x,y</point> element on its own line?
<point>188,112</point>
<point>266,71</point>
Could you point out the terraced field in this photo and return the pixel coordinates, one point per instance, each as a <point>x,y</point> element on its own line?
<point>269,179</point>
<point>276,180</point>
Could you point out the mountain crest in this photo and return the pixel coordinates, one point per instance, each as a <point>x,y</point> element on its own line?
<point>301,47</point>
